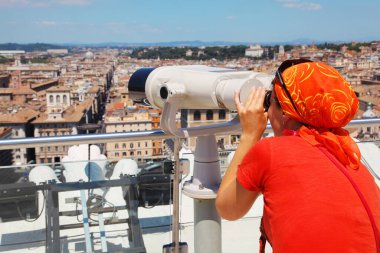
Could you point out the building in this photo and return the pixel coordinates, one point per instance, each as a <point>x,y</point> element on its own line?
<point>20,119</point>
<point>6,95</point>
<point>23,95</point>
<point>157,144</point>
<point>201,117</point>
<point>189,53</point>
<point>11,53</point>
<point>41,86</point>
<point>29,74</point>
<point>57,51</point>
<point>60,119</point>
<point>58,100</point>
<point>84,90</point>
<point>123,120</point>
<point>6,157</point>
<point>4,81</point>
<point>254,51</point>
<point>8,174</point>
<point>281,50</point>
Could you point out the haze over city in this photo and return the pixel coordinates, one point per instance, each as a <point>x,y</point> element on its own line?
<point>95,21</point>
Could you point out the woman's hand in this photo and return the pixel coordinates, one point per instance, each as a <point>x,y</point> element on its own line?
<point>253,119</point>
<point>233,200</point>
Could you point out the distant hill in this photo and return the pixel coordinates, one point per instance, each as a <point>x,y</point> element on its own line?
<point>198,43</point>
<point>30,47</point>
<point>193,43</point>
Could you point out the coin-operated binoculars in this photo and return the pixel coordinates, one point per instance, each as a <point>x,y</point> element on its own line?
<point>173,88</point>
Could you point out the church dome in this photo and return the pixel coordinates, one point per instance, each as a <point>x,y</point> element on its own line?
<point>89,55</point>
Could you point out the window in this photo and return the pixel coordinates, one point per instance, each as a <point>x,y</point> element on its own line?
<point>116,145</point>
<point>124,145</point>
<point>131,145</point>
<point>16,133</point>
<point>117,154</point>
<point>131,153</point>
<point>124,153</point>
<point>146,144</point>
<point>138,152</point>
<point>146,152</point>
<point>222,114</point>
<point>138,144</point>
<point>209,115</point>
<point>48,148</point>
<point>56,149</point>
<point>41,149</point>
<point>57,99</point>
<point>197,115</point>
<point>65,99</point>
<point>51,99</point>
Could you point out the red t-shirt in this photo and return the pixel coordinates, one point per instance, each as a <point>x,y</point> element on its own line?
<point>309,204</point>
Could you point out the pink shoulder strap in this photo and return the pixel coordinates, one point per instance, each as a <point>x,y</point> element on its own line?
<point>360,195</point>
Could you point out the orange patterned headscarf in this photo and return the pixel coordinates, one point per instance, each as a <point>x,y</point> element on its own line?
<point>325,103</point>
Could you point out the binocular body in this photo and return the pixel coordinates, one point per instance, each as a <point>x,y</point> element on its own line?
<point>198,86</point>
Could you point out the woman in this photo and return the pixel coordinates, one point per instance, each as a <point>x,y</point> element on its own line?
<point>318,197</point>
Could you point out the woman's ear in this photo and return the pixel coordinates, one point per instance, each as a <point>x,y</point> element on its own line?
<point>289,123</point>
<point>285,120</point>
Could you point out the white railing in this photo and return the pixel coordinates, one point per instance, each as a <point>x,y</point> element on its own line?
<point>115,137</point>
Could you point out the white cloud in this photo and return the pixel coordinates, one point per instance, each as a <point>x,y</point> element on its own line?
<point>14,2</point>
<point>46,23</point>
<point>43,3</point>
<point>72,2</point>
<point>296,4</point>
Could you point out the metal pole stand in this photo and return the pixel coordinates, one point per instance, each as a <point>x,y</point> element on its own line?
<point>206,179</point>
<point>203,188</point>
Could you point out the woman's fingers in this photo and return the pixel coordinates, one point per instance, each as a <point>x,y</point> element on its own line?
<point>261,97</point>
<point>251,97</point>
<point>255,99</point>
<point>237,100</point>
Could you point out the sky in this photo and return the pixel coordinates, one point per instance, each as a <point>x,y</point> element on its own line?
<point>149,21</point>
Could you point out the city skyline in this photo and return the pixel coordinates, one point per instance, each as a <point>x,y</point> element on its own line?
<point>95,21</point>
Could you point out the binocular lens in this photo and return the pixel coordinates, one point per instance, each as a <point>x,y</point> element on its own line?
<point>138,80</point>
